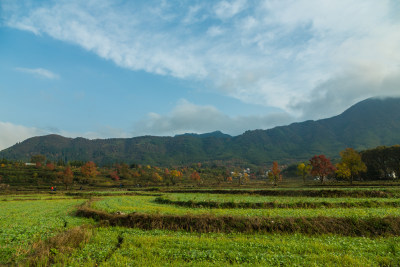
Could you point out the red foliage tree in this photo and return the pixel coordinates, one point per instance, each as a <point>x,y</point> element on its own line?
<point>50,166</point>
<point>321,167</point>
<point>114,176</point>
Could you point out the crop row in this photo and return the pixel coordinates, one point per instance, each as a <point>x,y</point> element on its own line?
<point>135,247</point>
<point>276,204</point>
<point>147,205</point>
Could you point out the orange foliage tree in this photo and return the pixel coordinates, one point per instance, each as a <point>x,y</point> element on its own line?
<point>67,176</point>
<point>156,177</point>
<point>274,174</point>
<point>195,176</point>
<point>174,176</point>
<point>89,170</point>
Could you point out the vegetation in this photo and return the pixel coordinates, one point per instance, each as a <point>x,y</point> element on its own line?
<point>382,163</point>
<point>321,167</point>
<point>371,123</point>
<point>184,207</point>
<point>350,165</point>
<point>336,231</point>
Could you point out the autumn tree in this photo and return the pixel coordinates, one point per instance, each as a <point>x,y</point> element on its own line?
<point>67,176</point>
<point>321,167</point>
<point>245,178</point>
<point>50,166</point>
<point>195,176</point>
<point>174,176</point>
<point>89,170</point>
<point>123,171</point>
<point>156,177</point>
<point>303,170</point>
<point>350,164</point>
<point>114,176</point>
<point>274,174</point>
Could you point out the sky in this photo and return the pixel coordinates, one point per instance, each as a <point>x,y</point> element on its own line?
<point>107,69</point>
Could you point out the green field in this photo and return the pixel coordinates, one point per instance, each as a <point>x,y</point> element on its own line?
<point>146,204</point>
<point>44,229</point>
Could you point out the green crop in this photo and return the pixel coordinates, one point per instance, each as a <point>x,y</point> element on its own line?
<point>24,222</point>
<point>159,248</point>
<point>146,204</point>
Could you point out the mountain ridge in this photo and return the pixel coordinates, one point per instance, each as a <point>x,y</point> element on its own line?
<point>369,123</point>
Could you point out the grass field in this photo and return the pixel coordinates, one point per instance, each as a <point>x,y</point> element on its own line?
<point>44,229</point>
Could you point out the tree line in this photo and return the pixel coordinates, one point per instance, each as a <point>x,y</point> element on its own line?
<point>380,163</point>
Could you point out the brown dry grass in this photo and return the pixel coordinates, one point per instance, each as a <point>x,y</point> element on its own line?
<point>44,253</point>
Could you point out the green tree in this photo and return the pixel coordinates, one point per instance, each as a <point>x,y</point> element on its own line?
<point>394,160</point>
<point>350,165</point>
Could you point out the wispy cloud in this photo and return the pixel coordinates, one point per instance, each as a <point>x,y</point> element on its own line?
<point>39,72</point>
<point>289,54</point>
<point>228,9</point>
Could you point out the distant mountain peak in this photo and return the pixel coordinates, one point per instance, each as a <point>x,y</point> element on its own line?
<point>217,134</point>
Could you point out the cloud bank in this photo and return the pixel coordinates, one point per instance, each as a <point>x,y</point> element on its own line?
<point>187,117</point>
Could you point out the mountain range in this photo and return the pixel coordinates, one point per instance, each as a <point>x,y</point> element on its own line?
<point>367,124</point>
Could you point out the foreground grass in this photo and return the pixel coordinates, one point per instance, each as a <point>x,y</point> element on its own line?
<point>132,247</point>
<point>22,223</point>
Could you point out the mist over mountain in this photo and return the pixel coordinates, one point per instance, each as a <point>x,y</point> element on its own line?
<point>367,124</point>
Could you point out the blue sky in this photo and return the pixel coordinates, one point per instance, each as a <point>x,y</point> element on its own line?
<point>102,69</point>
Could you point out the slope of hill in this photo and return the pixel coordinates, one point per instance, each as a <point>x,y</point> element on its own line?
<point>368,124</point>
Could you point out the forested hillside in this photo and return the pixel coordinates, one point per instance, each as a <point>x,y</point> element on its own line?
<point>368,124</point>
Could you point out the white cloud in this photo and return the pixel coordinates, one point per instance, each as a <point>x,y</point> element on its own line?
<point>39,72</point>
<point>187,117</point>
<point>11,134</point>
<point>288,54</point>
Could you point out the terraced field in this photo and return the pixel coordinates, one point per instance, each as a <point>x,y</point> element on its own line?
<point>205,228</point>
<point>148,204</point>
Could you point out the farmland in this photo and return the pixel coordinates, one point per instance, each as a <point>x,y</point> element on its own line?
<point>177,227</point>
